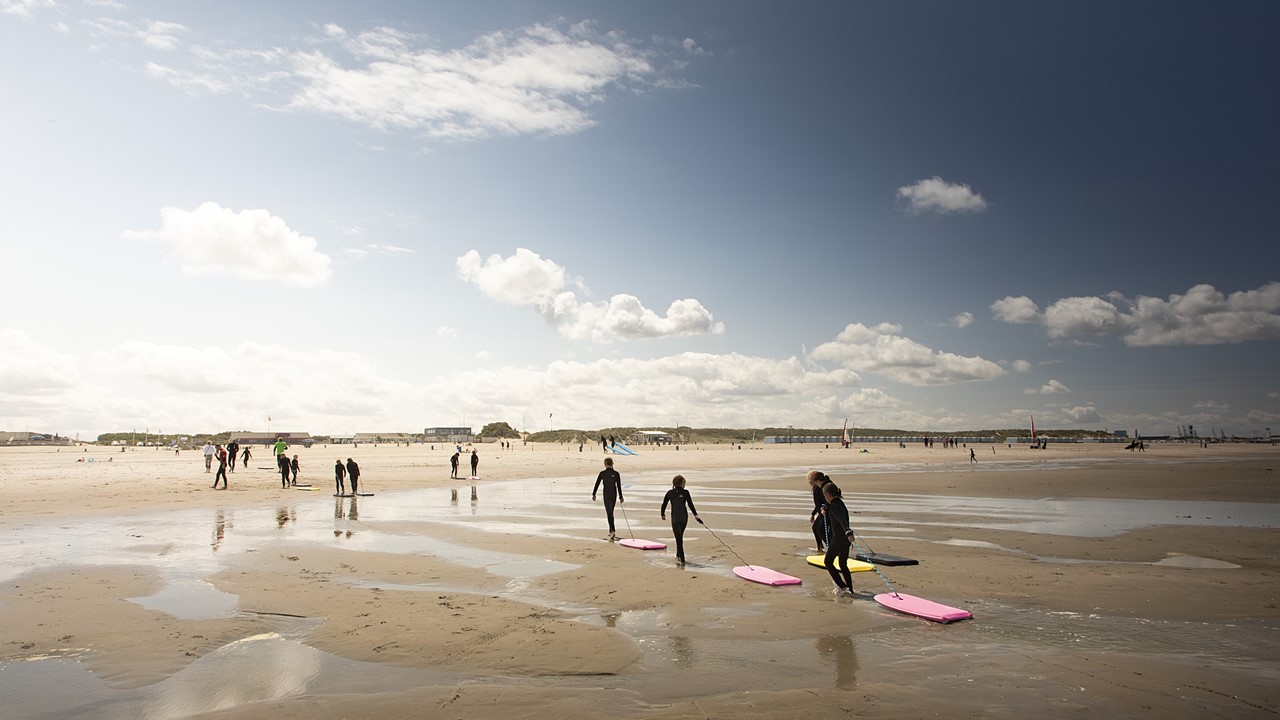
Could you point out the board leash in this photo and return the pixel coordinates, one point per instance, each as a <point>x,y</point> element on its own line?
<point>725,544</point>
<point>859,539</point>
<point>625,519</point>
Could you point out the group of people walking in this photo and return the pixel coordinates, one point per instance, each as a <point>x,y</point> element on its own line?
<point>829,520</point>
<point>342,472</point>
<point>226,457</point>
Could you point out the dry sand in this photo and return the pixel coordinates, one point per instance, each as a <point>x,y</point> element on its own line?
<point>1101,581</point>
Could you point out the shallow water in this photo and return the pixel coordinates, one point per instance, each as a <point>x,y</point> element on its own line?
<point>188,547</point>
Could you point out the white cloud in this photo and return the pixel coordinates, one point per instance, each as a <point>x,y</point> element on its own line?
<point>527,279</point>
<point>155,34</point>
<point>1053,387</point>
<point>1019,310</point>
<point>252,244</point>
<point>1210,406</point>
<point>1201,316</point>
<point>1084,415</point>
<point>162,35</point>
<point>963,320</point>
<point>538,80</point>
<point>940,196</point>
<point>1020,366</point>
<point>483,355</point>
<point>374,249</point>
<point>24,8</point>
<point>881,349</point>
<point>445,331</point>
<point>28,368</point>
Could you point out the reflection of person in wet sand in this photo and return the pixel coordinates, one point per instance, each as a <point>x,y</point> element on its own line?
<point>840,649</point>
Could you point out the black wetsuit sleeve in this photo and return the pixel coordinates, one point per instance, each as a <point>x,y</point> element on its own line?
<point>689,499</point>
<point>840,514</point>
<point>617,480</point>
<point>818,500</point>
<point>665,499</point>
<point>599,479</point>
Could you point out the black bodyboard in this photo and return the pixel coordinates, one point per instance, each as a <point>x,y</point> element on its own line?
<point>887,560</point>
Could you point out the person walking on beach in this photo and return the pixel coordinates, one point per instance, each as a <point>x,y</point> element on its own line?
<point>281,446</point>
<point>818,518</point>
<point>353,472</point>
<point>282,462</point>
<point>475,463</point>
<point>244,457</point>
<point>972,458</point>
<point>339,478</point>
<point>453,465</point>
<point>222,468</point>
<point>612,482</point>
<point>208,456</point>
<point>678,497</point>
<point>233,447</point>
<point>293,470</point>
<point>839,540</point>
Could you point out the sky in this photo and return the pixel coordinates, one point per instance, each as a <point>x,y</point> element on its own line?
<point>387,216</point>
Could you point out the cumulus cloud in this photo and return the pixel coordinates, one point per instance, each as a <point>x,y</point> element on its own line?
<point>29,368</point>
<point>527,279</point>
<point>1053,387</point>
<point>1084,415</point>
<point>1020,366</point>
<point>542,79</point>
<point>251,244</point>
<point>1018,310</point>
<point>963,320</point>
<point>1201,316</point>
<point>882,349</point>
<point>24,8</point>
<point>939,196</point>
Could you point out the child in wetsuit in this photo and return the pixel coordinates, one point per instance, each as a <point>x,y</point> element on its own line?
<point>340,477</point>
<point>678,497</point>
<point>839,539</point>
<point>817,518</point>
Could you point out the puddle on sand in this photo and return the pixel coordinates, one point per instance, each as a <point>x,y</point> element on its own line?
<point>256,669</point>
<point>1181,561</point>
<point>190,599</point>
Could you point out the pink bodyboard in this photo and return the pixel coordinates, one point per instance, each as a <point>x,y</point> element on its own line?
<point>764,575</point>
<point>641,544</point>
<point>927,609</point>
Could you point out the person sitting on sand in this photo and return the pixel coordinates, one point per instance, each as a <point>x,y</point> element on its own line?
<point>678,497</point>
<point>839,539</point>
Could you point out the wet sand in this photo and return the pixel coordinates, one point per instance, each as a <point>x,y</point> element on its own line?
<point>1100,580</point>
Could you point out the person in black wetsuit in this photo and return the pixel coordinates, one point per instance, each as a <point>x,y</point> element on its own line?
<point>282,461</point>
<point>353,472</point>
<point>839,539</point>
<point>817,520</point>
<point>453,465</point>
<point>679,498</point>
<point>475,463</point>
<point>293,470</point>
<point>244,457</point>
<point>233,447</point>
<point>221,454</point>
<point>612,492</point>
<point>339,477</point>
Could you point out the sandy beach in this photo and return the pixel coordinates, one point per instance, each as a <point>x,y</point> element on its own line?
<point>1101,580</point>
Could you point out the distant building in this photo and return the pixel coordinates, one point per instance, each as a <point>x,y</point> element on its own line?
<point>386,437</point>
<point>447,434</point>
<point>293,438</point>
<point>1122,433</point>
<point>30,438</point>
<point>651,437</point>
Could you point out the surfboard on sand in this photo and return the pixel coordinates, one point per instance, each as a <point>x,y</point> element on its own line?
<point>364,494</point>
<point>927,609</point>
<point>764,575</point>
<point>343,495</point>
<point>854,565</point>
<point>308,488</point>
<point>882,559</point>
<point>639,544</point>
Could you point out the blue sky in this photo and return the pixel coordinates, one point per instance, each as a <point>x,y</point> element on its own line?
<point>386,216</point>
